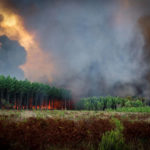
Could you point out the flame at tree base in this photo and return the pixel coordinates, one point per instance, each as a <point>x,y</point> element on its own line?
<point>52,105</point>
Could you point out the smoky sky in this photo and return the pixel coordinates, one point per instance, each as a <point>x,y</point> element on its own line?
<point>12,55</point>
<point>98,47</point>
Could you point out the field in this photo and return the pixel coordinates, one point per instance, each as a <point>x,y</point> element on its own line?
<point>29,119</point>
<point>74,130</point>
<point>76,115</point>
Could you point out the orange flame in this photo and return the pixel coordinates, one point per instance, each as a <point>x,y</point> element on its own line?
<point>56,104</point>
<point>37,64</point>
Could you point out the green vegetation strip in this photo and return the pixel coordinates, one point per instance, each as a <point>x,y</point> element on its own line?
<point>132,109</point>
<point>128,104</point>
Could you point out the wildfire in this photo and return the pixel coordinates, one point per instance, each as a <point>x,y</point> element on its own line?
<point>37,63</point>
<point>55,104</point>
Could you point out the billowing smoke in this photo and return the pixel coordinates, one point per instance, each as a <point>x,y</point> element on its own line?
<point>97,47</point>
<point>12,55</point>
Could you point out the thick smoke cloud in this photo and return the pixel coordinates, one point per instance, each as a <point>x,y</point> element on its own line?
<point>12,55</point>
<point>98,47</point>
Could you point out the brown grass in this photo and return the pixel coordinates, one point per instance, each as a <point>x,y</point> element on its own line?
<point>46,130</point>
<point>41,133</point>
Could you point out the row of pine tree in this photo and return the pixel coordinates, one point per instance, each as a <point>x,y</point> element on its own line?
<point>23,94</point>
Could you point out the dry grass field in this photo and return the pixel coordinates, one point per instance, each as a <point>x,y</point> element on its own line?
<point>73,115</point>
<point>74,130</point>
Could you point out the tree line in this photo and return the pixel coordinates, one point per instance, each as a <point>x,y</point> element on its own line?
<point>23,94</point>
<point>108,102</point>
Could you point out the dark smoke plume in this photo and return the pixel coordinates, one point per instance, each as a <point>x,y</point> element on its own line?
<point>98,47</point>
<point>12,55</point>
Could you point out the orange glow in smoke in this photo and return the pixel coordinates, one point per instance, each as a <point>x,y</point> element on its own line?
<point>125,3</point>
<point>37,64</point>
<point>122,15</point>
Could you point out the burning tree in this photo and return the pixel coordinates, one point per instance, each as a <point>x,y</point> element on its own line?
<point>23,94</point>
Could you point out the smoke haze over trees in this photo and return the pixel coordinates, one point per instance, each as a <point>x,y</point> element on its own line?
<point>97,47</point>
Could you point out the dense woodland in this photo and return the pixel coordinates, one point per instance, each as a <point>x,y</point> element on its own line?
<point>23,94</point>
<point>110,102</point>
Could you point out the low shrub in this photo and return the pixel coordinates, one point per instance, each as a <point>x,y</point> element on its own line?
<point>113,140</point>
